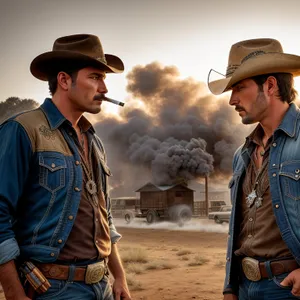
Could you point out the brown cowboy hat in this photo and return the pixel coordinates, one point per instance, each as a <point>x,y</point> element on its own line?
<point>79,50</point>
<point>251,58</point>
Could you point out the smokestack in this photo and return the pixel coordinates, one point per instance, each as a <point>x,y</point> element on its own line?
<point>206,194</point>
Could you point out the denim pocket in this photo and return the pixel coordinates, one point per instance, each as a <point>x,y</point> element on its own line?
<point>52,173</point>
<point>290,176</point>
<point>56,289</point>
<point>279,278</point>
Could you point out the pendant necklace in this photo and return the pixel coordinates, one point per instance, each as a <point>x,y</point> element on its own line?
<point>90,185</point>
<point>254,194</point>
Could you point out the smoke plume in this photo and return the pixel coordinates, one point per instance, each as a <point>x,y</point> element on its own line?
<point>170,128</point>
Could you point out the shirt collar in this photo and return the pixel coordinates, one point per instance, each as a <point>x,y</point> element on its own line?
<point>56,118</point>
<point>289,122</point>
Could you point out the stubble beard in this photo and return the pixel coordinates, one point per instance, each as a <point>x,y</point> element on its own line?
<point>259,102</point>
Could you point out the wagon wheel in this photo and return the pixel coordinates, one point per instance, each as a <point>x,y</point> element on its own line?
<point>217,220</point>
<point>128,217</point>
<point>151,216</point>
<point>185,215</point>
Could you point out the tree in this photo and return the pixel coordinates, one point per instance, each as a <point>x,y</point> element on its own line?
<point>14,105</point>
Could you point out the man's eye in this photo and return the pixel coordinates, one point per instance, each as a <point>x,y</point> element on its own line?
<point>95,77</point>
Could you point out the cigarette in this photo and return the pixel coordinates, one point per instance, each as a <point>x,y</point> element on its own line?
<point>104,98</point>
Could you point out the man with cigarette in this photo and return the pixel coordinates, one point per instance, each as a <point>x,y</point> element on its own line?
<point>57,236</point>
<point>263,254</point>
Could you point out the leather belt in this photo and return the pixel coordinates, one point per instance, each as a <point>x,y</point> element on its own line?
<point>255,270</point>
<point>90,274</point>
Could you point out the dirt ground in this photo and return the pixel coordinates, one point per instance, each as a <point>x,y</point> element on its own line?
<point>165,261</point>
<point>193,261</point>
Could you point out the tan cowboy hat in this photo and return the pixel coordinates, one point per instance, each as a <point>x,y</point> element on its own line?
<point>251,58</point>
<point>75,50</point>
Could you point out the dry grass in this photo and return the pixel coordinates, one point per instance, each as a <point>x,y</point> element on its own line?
<point>156,265</point>
<point>220,264</point>
<point>135,268</point>
<point>133,283</point>
<point>134,255</point>
<point>183,252</point>
<point>198,261</point>
<point>184,257</point>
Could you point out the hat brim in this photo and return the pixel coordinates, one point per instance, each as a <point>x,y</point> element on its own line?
<point>263,64</point>
<point>49,63</point>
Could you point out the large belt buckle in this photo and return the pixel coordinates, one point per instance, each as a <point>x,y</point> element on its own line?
<point>94,272</point>
<point>251,268</point>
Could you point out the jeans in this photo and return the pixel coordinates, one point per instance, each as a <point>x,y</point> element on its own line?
<point>265,289</point>
<point>77,290</point>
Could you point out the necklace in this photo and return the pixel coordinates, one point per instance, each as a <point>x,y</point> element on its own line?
<point>90,183</point>
<point>255,190</point>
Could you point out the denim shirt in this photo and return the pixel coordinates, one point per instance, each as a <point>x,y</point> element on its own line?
<point>284,175</point>
<point>40,184</point>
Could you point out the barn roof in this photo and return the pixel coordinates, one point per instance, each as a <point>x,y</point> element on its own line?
<point>150,187</point>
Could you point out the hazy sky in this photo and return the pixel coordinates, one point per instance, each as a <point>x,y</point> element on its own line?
<point>192,35</point>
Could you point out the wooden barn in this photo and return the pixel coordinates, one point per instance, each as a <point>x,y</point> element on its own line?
<point>159,199</point>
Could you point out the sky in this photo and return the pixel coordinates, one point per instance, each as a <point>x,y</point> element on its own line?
<point>168,48</point>
<point>192,35</point>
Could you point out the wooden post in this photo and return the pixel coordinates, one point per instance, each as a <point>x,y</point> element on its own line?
<point>206,194</point>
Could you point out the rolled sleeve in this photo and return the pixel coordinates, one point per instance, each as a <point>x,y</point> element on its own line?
<point>114,235</point>
<point>9,250</point>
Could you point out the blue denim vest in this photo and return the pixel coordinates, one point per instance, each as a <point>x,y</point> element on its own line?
<point>284,175</point>
<point>40,184</point>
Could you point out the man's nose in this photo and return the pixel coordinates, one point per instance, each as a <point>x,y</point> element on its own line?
<point>233,99</point>
<point>102,89</point>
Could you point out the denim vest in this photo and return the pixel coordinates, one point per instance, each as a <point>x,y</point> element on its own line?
<point>284,175</point>
<point>40,183</point>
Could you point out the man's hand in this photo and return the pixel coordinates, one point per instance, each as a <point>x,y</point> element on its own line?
<point>230,297</point>
<point>293,279</point>
<point>121,290</point>
<point>9,278</point>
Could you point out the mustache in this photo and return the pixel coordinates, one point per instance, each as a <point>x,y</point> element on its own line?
<point>104,98</point>
<point>239,108</point>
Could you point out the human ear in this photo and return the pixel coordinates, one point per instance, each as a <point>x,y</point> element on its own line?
<point>271,86</point>
<point>64,80</point>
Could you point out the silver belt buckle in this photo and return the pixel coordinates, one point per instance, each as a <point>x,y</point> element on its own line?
<point>94,272</point>
<point>251,268</point>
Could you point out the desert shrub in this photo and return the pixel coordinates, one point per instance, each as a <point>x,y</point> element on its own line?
<point>156,265</point>
<point>134,255</point>
<point>220,264</point>
<point>133,283</point>
<point>134,268</point>
<point>184,257</point>
<point>197,261</point>
<point>183,252</point>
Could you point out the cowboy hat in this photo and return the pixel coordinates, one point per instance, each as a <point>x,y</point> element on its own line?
<point>75,50</point>
<point>251,58</point>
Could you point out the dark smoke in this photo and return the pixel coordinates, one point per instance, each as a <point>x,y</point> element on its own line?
<point>179,130</point>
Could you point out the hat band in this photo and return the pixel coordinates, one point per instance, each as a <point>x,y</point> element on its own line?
<point>232,68</point>
<point>102,60</point>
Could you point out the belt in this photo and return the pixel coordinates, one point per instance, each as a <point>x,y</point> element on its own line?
<point>90,274</point>
<point>255,270</point>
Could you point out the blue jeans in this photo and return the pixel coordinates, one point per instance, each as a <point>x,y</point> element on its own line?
<point>265,289</point>
<point>77,290</point>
